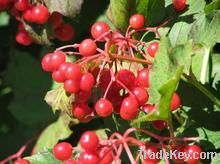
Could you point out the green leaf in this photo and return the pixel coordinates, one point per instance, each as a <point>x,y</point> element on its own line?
<point>216,160</point>
<point>58,99</point>
<point>216,71</point>
<point>119,12</point>
<point>43,157</point>
<point>4,19</point>
<point>56,131</point>
<point>68,8</point>
<point>212,6</point>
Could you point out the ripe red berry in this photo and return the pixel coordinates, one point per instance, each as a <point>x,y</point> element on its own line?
<point>141,95</point>
<point>21,161</point>
<point>27,14</point>
<point>98,29</point>
<point>147,108</point>
<point>89,141</point>
<point>153,48</point>
<point>148,154</point>
<point>71,86</point>
<point>179,5</point>
<point>87,47</point>
<point>56,19</point>
<point>80,110</point>
<point>175,102</point>
<point>74,72</point>
<point>105,78</point>
<point>89,157</point>
<point>46,64</point>
<point>58,76</point>
<point>21,27</point>
<point>129,108</point>
<point>178,149</point>
<point>143,78</point>
<point>63,151</point>
<point>40,14</point>
<point>57,58</point>
<point>87,82</point>
<point>159,124</point>
<point>4,4</point>
<point>82,96</point>
<point>193,153</point>
<point>71,161</point>
<point>21,5</point>
<point>107,159</point>
<point>137,21</point>
<point>126,77</point>
<point>116,101</point>
<point>64,32</point>
<point>63,67</point>
<point>23,38</point>
<point>103,107</point>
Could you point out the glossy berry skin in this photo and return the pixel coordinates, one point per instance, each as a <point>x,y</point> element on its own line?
<point>81,110</point>
<point>27,14</point>
<point>21,5</point>
<point>159,124</point>
<point>21,161</point>
<point>89,158</point>
<point>63,67</point>
<point>64,32</point>
<point>87,82</point>
<point>71,86</point>
<point>82,96</point>
<point>40,14</point>
<point>98,29</point>
<point>107,159</point>
<point>192,151</point>
<point>56,19</point>
<point>23,38</point>
<point>129,108</point>
<point>137,21</point>
<point>103,107</point>
<point>87,47</point>
<point>147,108</point>
<point>126,77</point>
<point>58,76</point>
<point>57,58</point>
<point>141,95</point>
<point>179,5</point>
<point>149,150</point>
<point>71,161</point>
<point>73,72</point>
<point>63,151</point>
<point>46,64</point>
<point>175,102</point>
<point>153,48</point>
<point>143,78</point>
<point>89,141</point>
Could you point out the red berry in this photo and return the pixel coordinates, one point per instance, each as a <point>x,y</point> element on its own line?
<point>81,110</point>
<point>57,58</point>
<point>74,72</point>
<point>153,48</point>
<point>23,38</point>
<point>89,157</point>
<point>21,27</point>
<point>175,102</point>
<point>82,96</point>
<point>89,141</point>
<point>179,5</point>
<point>58,76</point>
<point>71,161</point>
<point>178,149</point>
<point>141,95</point>
<point>15,13</point>
<point>116,101</point>
<point>56,19</point>
<point>137,21</point>
<point>148,157</point>
<point>64,32</point>
<point>148,108</point>
<point>143,78</point>
<point>126,77</point>
<point>4,4</point>
<point>105,78</point>
<point>107,159</point>
<point>103,107</point>
<point>27,14</point>
<point>46,64</point>
<point>71,86</point>
<point>159,124</point>
<point>87,82</point>
<point>63,67</point>
<point>193,153</point>
<point>21,5</point>
<point>21,161</point>
<point>129,108</point>
<point>98,29</point>
<point>87,47</point>
<point>40,14</point>
<point>63,151</point>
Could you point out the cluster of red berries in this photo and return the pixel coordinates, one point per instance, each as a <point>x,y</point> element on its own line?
<point>23,10</point>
